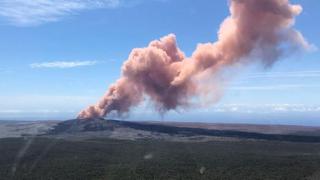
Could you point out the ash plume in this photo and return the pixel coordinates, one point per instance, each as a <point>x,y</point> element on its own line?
<point>256,31</point>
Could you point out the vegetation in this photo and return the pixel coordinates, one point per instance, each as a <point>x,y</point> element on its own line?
<point>44,158</point>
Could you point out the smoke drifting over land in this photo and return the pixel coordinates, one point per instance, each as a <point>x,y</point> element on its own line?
<point>256,31</point>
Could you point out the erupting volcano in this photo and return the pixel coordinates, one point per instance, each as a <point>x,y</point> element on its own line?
<point>256,31</point>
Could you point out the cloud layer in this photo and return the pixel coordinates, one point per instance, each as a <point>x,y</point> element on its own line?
<point>265,108</point>
<point>63,64</point>
<point>35,12</point>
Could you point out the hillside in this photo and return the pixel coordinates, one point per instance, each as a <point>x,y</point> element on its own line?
<point>140,130</point>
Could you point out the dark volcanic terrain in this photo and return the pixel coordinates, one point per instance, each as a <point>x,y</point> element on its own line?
<point>173,131</point>
<point>89,128</point>
<point>113,150</point>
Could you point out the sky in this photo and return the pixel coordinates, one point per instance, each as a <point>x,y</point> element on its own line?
<point>59,56</point>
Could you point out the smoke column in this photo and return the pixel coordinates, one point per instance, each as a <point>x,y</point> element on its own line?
<point>256,31</point>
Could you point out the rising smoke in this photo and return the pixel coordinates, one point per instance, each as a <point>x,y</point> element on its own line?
<point>256,31</point>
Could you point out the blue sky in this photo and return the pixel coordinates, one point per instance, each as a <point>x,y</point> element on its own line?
<point>59,56</point>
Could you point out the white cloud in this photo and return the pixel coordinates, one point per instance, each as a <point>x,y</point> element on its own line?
<point>274,87</point>
<point>5,71</point>
<point>10,111</point>
<point>19,111</point>
<point>38,105</point>
<point>35,12</point>
<point>63,64</point>
<point>292,74</point>
<point>278,81</point>
<point>266,108</point>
